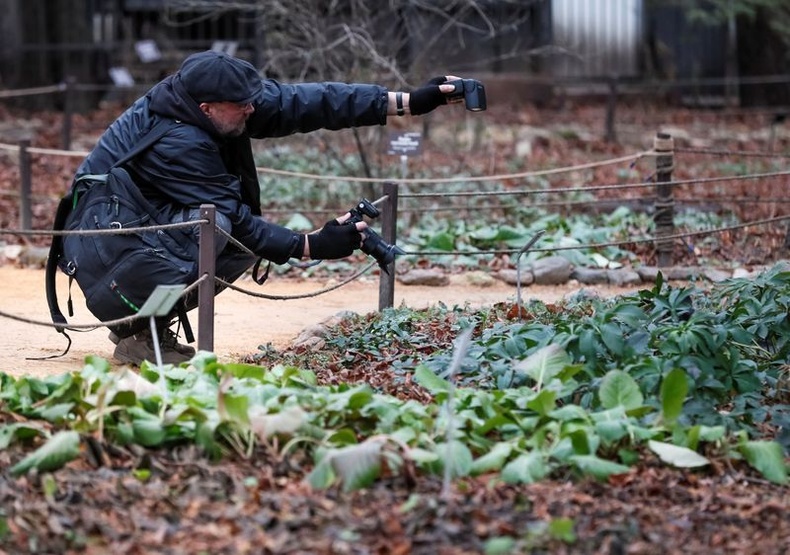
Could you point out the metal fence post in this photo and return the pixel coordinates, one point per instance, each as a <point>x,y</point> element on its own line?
<point>207,268</point>
<point>25,186</point>
<point>389,225</point>
<point>664,204</point>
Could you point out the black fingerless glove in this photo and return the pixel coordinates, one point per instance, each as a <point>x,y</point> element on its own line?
<point>333,241</point>
<point>427,98</point>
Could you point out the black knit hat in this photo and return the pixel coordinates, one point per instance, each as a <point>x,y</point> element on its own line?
<point>216,77</point>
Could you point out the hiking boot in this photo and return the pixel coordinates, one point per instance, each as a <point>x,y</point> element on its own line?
<point>169,340</point>
<point>139,347</point>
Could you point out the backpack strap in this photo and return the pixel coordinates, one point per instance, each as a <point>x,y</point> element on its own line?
<point>65,207</point>
<point>55,252</point>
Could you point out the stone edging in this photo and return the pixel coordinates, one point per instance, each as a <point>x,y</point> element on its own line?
<point>557,270</point>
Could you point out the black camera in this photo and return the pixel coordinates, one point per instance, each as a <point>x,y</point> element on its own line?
<point>373,244</point>
<point>471,91</point>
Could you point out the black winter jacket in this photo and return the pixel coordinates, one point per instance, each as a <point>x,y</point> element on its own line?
<point>192,165</point>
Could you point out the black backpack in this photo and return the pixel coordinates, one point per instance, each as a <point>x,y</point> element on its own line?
<point>117,272</point>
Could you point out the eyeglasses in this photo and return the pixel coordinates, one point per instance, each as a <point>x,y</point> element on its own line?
<point>238,105</point>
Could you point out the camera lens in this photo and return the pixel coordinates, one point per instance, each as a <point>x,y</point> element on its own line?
<point>378,248</point>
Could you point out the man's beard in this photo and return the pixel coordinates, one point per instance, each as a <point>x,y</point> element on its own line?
<point>230,130</point>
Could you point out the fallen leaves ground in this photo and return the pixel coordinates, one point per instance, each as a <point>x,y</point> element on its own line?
<point>261,505</point>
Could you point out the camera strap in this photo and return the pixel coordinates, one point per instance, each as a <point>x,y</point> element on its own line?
<point>256,270</point>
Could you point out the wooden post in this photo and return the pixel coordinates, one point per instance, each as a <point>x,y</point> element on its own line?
<point>389,224</point>
<point>68,112</point>
<point>664,204</point>
<point>206,267</point>
<point>611,108</point>
<point>25,186</point>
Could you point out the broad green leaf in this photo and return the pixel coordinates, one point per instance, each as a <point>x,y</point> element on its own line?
<point>640,411</point>
<point>612,336</point>
<point>457,456</point>
<point>123,398</point>
<point>628,456</point>
<point>97,363</point>
<point>712,433</point>
<point>287,421</point>
<point>124,434</point>
<point>569,412</point>
<point>682,457</point>
<point>344,436</point>
<point>359,399</point>
<point>405,435</point>
<point>569,372</point>
<point>630,314</point>
<point>205,438</point>
<point>497,422</point>
<point>618,388</point>
<point>442,242</point>
<point>241,371</point>
<point>422,456</point>
<point>673,392</point>
<point>57,451</point>
<point>19,430</point>
<point>234,408</point>
<point>525,469</point>
<point>598,467</point>
<point>430,381</point>
<point>322,476</point>
<point>130,381</point>
<point>493,460</point>
<point>767,458</point>
<point>543,403</point>
<point>67,389</point>
<point>544,364</point>
<point>582,442</point>
<point>358,466</point>
<point>692,437</point>
<point>204,361</point>
<point>148,432</point>
<point>184,413</point>
<point>611,431</point>
<point>307,377</point>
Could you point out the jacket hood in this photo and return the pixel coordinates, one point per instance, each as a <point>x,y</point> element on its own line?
<point>169,98</point>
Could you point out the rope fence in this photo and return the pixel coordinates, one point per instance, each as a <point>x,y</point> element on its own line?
<point>27,197</point>
<point>205,278</point>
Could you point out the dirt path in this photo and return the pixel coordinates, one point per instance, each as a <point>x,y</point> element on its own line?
<point>242,323</point>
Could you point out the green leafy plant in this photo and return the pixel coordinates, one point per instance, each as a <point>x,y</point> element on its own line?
<point>586,388</point>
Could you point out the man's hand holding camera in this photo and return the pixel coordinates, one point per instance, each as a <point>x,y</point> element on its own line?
<point>336,239</point>
<point>443,90</point>
<point>339,237</point>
